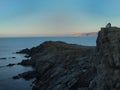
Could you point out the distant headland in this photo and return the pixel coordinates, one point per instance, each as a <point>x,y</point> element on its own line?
<point>85,34</point>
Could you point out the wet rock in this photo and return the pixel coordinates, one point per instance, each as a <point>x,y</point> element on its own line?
<point>3,58</point>
<point>11,57</point>
<point>25,62</point>
<point>24,51</point>
<point>27,56</point>
<point>15,77</point>
<point>10,65</point>
<point>26,75</point>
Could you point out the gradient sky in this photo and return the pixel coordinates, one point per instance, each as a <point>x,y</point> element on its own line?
<point>56,17</point>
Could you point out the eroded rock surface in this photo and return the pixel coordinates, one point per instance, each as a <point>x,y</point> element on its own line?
<point>61,66</point>
<point>108,56</point>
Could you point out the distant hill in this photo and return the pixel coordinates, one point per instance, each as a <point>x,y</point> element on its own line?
<point>86,34</point>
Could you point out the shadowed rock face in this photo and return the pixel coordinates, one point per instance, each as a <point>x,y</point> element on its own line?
<point>108,45</point>
<point>108,56</point>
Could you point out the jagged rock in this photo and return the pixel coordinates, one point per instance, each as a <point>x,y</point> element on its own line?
<point>24,51</point>
<point>26,62</point>
<point>108,55</point>
<point>61,66</point>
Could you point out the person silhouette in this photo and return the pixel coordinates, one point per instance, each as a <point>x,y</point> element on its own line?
<point>108,25</point>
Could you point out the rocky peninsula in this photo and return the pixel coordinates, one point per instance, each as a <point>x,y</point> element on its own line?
<point>61,66</point>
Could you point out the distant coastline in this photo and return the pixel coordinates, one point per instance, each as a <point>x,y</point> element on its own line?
<point>85,34</point>
<point>64,35</point>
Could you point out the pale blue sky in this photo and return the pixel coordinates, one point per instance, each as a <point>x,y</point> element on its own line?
<point>56,17</point>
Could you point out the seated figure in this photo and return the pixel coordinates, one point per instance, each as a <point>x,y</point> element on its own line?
<point>108,25</point>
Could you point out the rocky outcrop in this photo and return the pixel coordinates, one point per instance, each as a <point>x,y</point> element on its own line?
<point>62,66</point>
<point>10,65</point>
<point>26,75</point>
<point>108,57</point>
<point>26,62</point>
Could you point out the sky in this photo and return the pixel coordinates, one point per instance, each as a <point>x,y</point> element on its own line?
<point>56,17</point>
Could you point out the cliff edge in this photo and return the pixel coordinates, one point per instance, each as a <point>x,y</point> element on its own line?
<point>108,57</point>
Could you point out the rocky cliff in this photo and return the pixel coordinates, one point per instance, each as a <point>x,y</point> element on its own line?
<point>62,66</point>
<point>108,56</point>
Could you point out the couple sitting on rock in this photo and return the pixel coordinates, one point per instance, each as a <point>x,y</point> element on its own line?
<point>108,25</point>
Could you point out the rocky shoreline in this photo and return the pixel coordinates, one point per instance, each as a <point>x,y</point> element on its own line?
<point>61,66</point>
<point>55,60</point>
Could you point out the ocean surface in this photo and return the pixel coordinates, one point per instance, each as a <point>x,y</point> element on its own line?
<point>8,47</point>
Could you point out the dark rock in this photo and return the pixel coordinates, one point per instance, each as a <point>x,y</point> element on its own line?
<point>13,57</point>
<point>10,65</point>
<point>108,55</point>
<point>84,88</point>
<point>26,75</point>
<point>15,77</point>
<point>60,66</point>
<point>25,63</point>
<point>4,58</point>
<point>24,51</point>
<point>27,56</point>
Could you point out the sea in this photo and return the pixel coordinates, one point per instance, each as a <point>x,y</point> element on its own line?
<point>8,47</point>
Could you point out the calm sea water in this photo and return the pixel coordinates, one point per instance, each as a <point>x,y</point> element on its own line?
<point>8,47</point>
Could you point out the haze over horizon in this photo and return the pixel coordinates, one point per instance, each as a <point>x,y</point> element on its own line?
<point>56,17</point>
